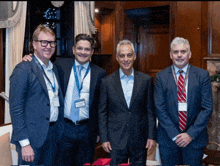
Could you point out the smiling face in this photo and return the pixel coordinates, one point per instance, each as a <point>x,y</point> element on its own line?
<point>83,51</point>
<point>126,58</point>
<point>44,53</point>
<point>180,55</point>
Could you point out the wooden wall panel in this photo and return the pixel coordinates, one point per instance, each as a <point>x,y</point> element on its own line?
<point>154,50</point>
<point>214,7</point>
<point>107,35</point>
<point>188,25</point>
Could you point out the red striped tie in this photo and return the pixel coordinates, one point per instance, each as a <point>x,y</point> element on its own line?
<point>182,99</point>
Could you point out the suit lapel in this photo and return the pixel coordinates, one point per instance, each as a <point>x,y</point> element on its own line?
<point>136,87</point>
<point>118,88</point>
<point>39,74</point>
<point>93,82</point>
<point>191,79</point>
<point>67,74</point>
<point>173,88</point>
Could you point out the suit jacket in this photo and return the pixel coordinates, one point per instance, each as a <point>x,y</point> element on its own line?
<point>199,106</point>
<point>117,122</point>
<point>30,104</point>
<point>64,67</point>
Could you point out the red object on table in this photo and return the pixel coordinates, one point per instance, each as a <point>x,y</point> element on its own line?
<point>102,161</point>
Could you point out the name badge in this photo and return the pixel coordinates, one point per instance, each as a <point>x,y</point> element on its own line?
<point>80,103</point>
<point>56,101</point>
<point>182,106</point>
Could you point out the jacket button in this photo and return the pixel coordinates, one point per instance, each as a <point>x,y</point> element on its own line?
<point>48,104</point>
<point>47,118</point>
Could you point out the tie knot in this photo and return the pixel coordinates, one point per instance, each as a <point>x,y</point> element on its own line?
<point>180,71</point>
<point>80,67</point>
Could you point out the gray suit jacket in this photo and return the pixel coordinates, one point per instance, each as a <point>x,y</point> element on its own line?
<point>30,104</point>
<point>117,122</point>
<point>199,106</point>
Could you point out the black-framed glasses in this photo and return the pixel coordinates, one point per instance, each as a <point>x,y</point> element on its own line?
<point>44,43</point>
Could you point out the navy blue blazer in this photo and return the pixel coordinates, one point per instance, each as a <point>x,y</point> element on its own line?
<point>119,123</point>
<point>30,104</point>
<point>199,106</point>
<point>64,66</point>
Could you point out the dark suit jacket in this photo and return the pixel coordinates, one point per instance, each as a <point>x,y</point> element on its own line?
<point>199,106</point>
<point>64,67</point>
<point>30,104</point>
<point>117,122</point>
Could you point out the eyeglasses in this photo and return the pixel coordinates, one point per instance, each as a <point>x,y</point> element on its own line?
<point>44,43</point>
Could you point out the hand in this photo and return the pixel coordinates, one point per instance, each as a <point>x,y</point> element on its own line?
<point>27,58</point>
<point>98,139</point>
<point>183,139</point>
<point>150,144</point>
<point>27,153</point>
<point>106,146</point>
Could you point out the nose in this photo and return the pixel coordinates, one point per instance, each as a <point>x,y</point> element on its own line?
<point>126,57</point>
<point>179,54</point>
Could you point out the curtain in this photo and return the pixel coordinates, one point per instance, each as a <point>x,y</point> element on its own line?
<point>84,17</point>
<point>14,51</point>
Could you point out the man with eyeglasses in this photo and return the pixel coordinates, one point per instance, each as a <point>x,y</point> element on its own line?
<point>183,101</point>
<point>36,103</point>
<point>127,121</point>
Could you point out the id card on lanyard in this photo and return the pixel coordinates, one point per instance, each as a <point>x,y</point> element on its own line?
<point>80,102</point>
<point>181,106</point>
<point>55,99</point>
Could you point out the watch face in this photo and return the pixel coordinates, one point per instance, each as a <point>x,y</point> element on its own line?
<point>57,3</point>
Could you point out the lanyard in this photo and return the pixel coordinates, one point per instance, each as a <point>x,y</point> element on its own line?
<point>185,80</point>
<point>38,63</point>
<point>79,87</point>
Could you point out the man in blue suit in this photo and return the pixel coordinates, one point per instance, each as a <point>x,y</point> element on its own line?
<point>79,138</point>
<point>36,103</point>
<point>183,101</point>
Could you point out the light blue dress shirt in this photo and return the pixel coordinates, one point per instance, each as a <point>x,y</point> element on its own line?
<point>127,83</point>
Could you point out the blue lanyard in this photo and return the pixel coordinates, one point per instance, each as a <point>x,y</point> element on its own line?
<point>79,87</point>
<point>38,63</point>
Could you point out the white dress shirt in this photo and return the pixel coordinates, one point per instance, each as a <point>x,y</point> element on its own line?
<point>84,94</point>
<point>54,110</point>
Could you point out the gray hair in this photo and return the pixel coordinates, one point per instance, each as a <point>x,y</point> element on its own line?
<point>124,42</point>
<point>180,40</point>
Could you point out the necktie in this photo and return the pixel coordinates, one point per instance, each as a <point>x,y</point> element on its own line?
<point>74,116</point>
<point>181,99</point>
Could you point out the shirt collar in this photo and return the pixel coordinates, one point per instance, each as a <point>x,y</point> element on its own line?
<point>177,69</point>
<point>121,74</point>
<point>84,65</point>
<point>50,65</point>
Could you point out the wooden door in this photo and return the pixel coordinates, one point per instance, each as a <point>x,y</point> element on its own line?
<point>148,29</point>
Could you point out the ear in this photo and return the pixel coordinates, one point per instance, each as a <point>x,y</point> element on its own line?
<point>92,51</point>
<point>190,54</point>
<point>74,50</point>
<point>34,45</point>
<point>117,57</point>
<point>171,56</point>
<point>135,56</point>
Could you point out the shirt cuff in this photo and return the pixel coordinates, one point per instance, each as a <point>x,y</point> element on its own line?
<point>174,138</point>
<point>24,142</point>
